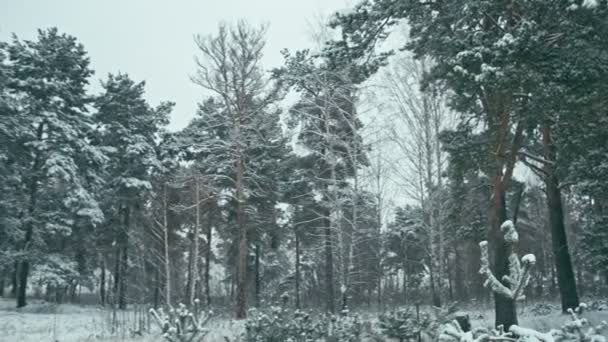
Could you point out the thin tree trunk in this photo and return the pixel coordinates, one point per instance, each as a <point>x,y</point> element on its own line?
<point>208,253</point>
<point>257,275</point>
<point>195,248</point>
<point>405,274</point>
<point>157,289</point>
<point>297,280</point>
<point>166,248</point>
<point>565,275</point>
<point>124,261</point>
<point>329,265</point>
<point>241,297</point>
<point>102,281</point>
<point>117,276</point>
<point>14,282</point>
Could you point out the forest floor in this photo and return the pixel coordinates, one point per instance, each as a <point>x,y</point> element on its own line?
<point>44,322</point>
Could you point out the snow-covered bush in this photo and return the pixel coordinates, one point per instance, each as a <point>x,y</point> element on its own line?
<point>404,325</point>
<point>598,305</point>
<point>182,324</point>
<point>576,330</point>
<point>343,328</point>
<point>281,325</point>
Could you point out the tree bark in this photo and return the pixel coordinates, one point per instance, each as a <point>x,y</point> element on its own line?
<point>166,247</point>
<point>102,282</point>
<point>506,315</point>
<point>24,268</point>
<point>297,280</point>
<point>208,252</point>
<point>257,275</point>
<point>563,264</point>
<point>329,264</point>
<point>124,260</point>
<point>241,297</point>
<point>194,251</point>
<point>117,275</point>
<point>14,282</point>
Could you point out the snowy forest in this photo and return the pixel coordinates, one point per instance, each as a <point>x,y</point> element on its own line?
<point>424,171</point>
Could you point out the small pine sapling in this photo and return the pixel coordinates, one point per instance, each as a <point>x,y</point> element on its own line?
<point>181,324</point>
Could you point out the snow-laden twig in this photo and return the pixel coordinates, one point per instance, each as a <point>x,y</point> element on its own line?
<point>519,272</point>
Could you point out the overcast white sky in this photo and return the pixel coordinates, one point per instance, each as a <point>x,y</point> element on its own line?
<point>152,40</point>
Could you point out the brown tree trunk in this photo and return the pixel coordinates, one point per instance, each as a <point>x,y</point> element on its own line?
<point>565,275</point>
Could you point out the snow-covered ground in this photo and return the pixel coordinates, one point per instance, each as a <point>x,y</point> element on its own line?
<point>42,322</point>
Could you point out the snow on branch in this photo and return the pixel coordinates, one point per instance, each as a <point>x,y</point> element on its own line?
<point>519,272</point>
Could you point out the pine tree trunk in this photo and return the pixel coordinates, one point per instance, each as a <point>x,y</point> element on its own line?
<point>257,275</point>
<point>405,274</point>
<point>241,297</point>
<point>24,267</point>
<point>561,255</point>
<point>208,253</point>
<point>14,282</point>
<point>117,276</point>
<point>102,282</point>
<point>124,260</point>
<point>194,251</point>
<point>157,289</point>
<point>329,264</point>
<point>166,248</point>
<point>434,295</point>
<point>1,285</point>
<point>297,280</point>
<point>506,315</point>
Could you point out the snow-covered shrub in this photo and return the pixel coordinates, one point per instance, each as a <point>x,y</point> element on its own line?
<point>405,325</point>
<point>598,305</point>
<point>279,324</point>
<point>576,330</point>
<point>181,324</point>
<point>343,328</point>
